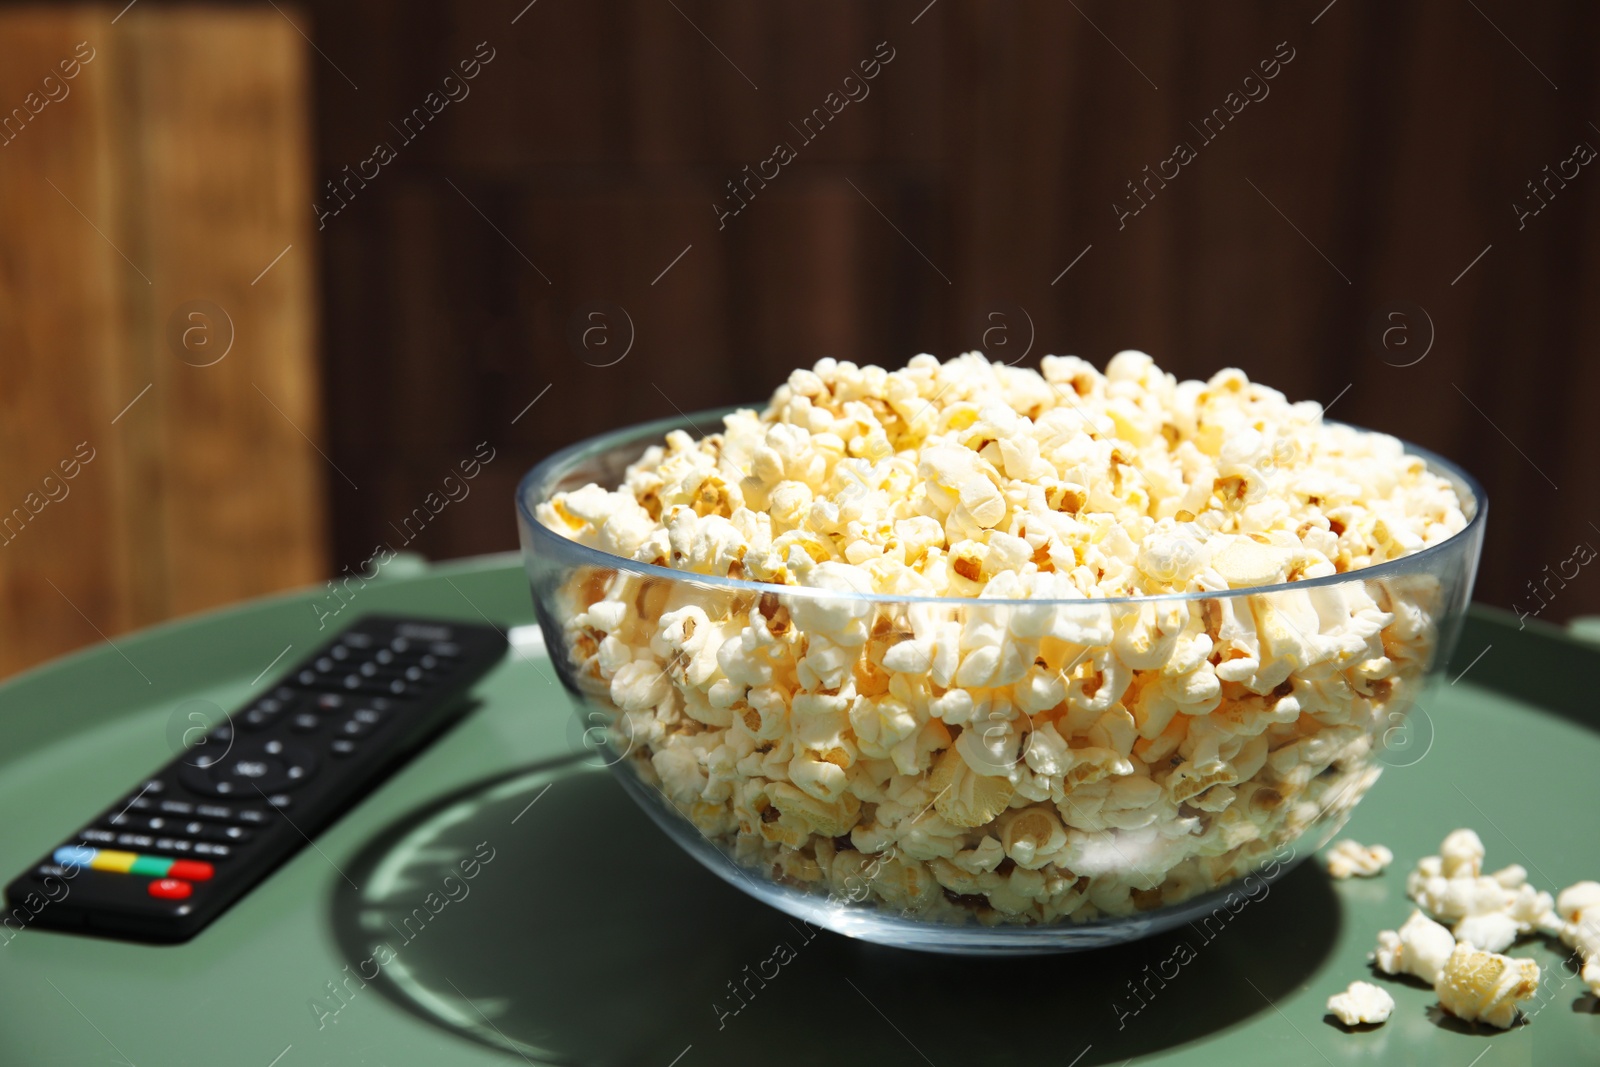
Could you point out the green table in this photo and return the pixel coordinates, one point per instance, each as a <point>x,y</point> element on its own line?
<point>583,936</point>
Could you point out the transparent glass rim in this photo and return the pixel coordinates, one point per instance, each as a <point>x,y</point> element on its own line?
<point>545,541</point>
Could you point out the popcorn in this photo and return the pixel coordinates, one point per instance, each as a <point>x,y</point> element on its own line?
<point>965,797</point>
<point>1489,911</point>
<point>1421,947</point>
<point>1578,906</point>
<point>1491,931</point>
<point>1361,1002</point>
<point>1579,903</point>
<point>1483,986</point>
<point>937,664</point>
<point>829,819</point>
<point>1032,837</point>
<point>1348,858</point>
<point>1461,855</point>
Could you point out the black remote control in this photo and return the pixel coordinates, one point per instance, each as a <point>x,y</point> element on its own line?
<point>200,833</point>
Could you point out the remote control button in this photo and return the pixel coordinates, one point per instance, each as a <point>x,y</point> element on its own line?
<point>154,785</point>
<point>250,816</point>
<point>135,840</point>
<point>339,653</point>
<point>353,728</point>
<point>267,767</point>
<point>304,723</point>
<point>140,804</point>
<point>324,664</point>
<point>206,848</point>
<point>222,732</point>
<point>191,870</point>
<point>74,855</point>
<point>370,716</point>
<point>383,658</point>
<point>399,644</point>
<point>213,811</point>
<point>170,889</point>
<point>283,692</point>
<point>258,718</point>
<point>111,860</point>
<point>445,649</point>
<point>174,844</point>
<point>342,746</point>
<point>210,832</point>
<point>357,640</point>
<point>99,837</point>
<point>281,801</point>
<point>177,807</point>
<point>329,702</point>
<point>151,866</point>
<point>306,678</point>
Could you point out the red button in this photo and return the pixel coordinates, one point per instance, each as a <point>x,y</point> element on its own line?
<point>170,889</point>
<point>192,870</point>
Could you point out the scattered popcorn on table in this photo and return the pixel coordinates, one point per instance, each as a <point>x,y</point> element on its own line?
<point>1472,980</point>
<point>1362,1002</point>
<point>1489,911</point>
<point>1348,858</point>
<point>981,756</point>
<point>1485,987</point>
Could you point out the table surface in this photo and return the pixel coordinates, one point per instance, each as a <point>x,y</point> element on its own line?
<point>584,936</point>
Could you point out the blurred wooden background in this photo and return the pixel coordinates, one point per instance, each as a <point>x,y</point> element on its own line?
<point>168,169</point>
<point>466,231</point>
<point>986,158</point>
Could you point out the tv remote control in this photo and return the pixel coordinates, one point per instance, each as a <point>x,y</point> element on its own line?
<point>185,844</point>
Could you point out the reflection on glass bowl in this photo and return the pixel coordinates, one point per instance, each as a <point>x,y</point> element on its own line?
<point>1094,798</point>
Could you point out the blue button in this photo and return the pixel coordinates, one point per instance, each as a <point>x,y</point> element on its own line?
<point>74,855</point>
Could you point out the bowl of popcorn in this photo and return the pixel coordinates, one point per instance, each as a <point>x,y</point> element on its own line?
<point>976,658</point>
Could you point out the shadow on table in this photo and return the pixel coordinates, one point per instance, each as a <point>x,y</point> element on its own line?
<point>587,937</point>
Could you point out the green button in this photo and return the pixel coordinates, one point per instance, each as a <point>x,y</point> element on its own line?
<point>153,866</point>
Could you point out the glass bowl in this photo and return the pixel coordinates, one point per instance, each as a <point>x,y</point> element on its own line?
<point>981,775</point>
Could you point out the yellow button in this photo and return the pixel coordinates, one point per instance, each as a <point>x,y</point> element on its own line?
<point>121,862</point>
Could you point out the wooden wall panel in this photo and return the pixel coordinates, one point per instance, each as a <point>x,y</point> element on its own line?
<point>597,142</point>
<point>1384,159</point>
<point>175,170</point>
<point>64,312</point>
